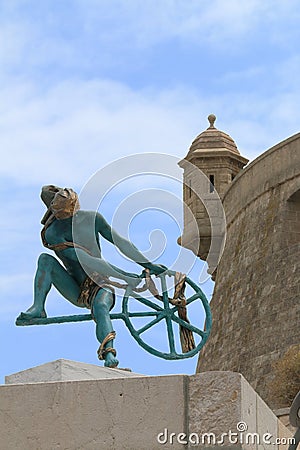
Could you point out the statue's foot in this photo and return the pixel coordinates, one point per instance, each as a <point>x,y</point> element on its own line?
<point>111,360</point>
<point>32,313</point>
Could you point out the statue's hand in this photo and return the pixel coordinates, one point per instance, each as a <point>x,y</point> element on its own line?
<point>157,269</point>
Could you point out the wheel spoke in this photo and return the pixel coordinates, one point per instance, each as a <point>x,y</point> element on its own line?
<point>164,292</point>
<point>188,326</point>
<point>192,299</point>
<point>150,324</point>
<point>170,335</point>
<point>143,314</point>
<point>146,302</point>
<point>155,313</point>
<point>167,308</point>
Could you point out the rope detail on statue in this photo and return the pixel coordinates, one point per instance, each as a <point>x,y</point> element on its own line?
<point>186,336</point>
<point>91,286</point>
<point>102,351</point>
<point>61,246</point>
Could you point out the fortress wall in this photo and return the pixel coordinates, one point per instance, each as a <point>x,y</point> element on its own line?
<point>277,165</point>
<point>255,306</point>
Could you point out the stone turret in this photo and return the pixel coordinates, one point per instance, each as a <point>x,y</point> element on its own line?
<point>255,304</point>
<point>216,155</point>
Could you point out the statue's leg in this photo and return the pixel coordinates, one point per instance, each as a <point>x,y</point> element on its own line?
<point>100,309</point>
<point>50,272</point>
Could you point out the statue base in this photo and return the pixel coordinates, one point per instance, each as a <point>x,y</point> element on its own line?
<point>66,404</point>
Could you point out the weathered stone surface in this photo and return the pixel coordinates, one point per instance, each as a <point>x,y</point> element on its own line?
<point>123,413</point>
<point>213,138</point>
<point>249,409</point>
<point>255,305</point>
<point>131,413</point>
<point>224,402</point>
<point>216,155</point>
<point>267,423</point>
<point>284,435</point>
<point>215,397</point>
<point>65,370</point>
<point>283,415</point>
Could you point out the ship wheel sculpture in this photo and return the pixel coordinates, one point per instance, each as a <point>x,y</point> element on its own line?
<point>84,278</point>
<point>170,310</point>
<point>173,310</point>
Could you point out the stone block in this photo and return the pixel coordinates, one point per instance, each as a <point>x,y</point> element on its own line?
<point>267,425</point>
<point>64,370</point>
<point>248,410</point>
<point>215,409</point>
<point>284,435</point>
<point>224,402</point>
<point>123,413</point>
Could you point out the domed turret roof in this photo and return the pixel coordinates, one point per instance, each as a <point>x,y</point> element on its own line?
<point>212,138</point>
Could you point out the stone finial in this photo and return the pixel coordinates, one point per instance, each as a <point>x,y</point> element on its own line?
<point>211,118</point>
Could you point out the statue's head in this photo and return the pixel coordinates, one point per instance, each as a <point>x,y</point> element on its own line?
<point>48,193</point>
<point>62,202</point>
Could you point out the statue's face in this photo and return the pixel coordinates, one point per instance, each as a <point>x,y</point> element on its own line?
<point>62,202</point>
<point>48,193</point>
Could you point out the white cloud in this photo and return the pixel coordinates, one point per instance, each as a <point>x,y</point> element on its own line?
<point>89,33</point>
<point>65,134</point>
<point>62,131</point>
<point>214,22</point>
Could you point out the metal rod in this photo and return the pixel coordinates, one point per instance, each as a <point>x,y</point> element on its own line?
<point>62,319</point>
<point>168,320</point>
<point>149,325</point>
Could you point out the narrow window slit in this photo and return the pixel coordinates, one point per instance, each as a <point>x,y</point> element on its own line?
<point>212,183</point>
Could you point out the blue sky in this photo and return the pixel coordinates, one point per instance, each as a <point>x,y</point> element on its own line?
<point>84,83</point>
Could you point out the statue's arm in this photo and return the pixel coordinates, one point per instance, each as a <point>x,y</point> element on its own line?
<point>124,245</point>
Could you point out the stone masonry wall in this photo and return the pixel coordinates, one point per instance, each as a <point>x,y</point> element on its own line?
<point>255,306</point>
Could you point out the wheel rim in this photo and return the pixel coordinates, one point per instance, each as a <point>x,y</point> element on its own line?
<point>168,314</point>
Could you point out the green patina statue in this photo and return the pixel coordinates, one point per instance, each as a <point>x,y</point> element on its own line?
<point>81,256</point>
<point>83,278</point>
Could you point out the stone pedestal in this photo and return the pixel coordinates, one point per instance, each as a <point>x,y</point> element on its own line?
<point>69,405</point>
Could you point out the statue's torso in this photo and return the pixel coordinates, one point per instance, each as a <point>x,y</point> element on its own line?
<point>79,229</point>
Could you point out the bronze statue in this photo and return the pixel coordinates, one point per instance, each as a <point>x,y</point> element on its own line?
<point>69,278</point>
